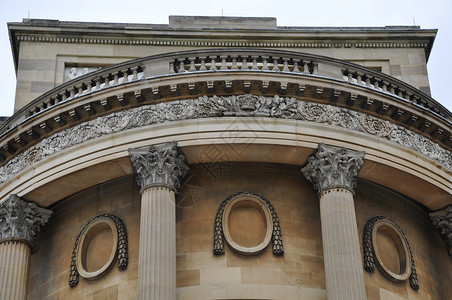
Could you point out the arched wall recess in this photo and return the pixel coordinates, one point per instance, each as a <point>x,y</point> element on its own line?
<point>119,250</point>
<point>272,230</point>
<point>372,254</point>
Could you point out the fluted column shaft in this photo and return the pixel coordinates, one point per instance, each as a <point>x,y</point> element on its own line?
<point>14,264</point>
<point>20,221</point>
<point>158,171</point>
<point>342,256</point>
<point>157,259</point>
<point>333,172</point>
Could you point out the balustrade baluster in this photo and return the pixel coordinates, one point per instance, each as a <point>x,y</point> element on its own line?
<point>79,88</point>
<point>115,78</point>
<point>213,64</point>
<point>106,81</point>
<point>97,81</point>
<point>264,63</point>
<point>295,66</point>
<point>71,92</point>
<point>125,75</point>
<point>134,73</point>
<point>234,64</point>
<point>182,67</point>
<point>192,65</point>
<point>369,80</point>
<point>89,87</point>
<point>254,67</point>
<point>171,67</point>
<point>359,77</point>
<point>223,63</point>
<point>305,67</point>
<point>315,69</point>
<point>285,65</point>
<point>244,64</point>
<point>203,65</point>
<point>275,65</point>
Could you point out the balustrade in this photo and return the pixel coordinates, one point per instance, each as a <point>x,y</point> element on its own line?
<point>244,63</point>
<point>224,60</point>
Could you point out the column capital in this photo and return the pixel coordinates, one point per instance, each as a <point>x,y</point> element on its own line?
<point>158,165</point>
<point>442,220</point>
<point>21,220</point>
<point>333,167</point>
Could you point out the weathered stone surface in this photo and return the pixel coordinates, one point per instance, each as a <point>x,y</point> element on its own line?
<point>442,220</point>
<point>333,167</point>
<point>20,219</point>
<point>159,165</point>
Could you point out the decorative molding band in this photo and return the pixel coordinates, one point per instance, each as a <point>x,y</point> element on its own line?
<point>218,234</point>
<point>158,165</point>
<point>370,256</point>
<point>219,106</point>
<point>333,167</point>
<point>121,252</point>
<point>187,43</point>
<point>21,220</point>
<point>442,220</point>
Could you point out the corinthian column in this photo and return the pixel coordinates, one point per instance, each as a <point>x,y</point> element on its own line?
<point>333,171</point>
<point>158,173</point>
<point>20,221</point>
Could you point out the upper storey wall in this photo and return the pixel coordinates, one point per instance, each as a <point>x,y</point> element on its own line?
<point>46,50</point>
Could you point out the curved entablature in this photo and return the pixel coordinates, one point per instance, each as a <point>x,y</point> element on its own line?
<point>306,90</point>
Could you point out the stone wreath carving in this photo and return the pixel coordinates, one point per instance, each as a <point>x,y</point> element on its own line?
<point>120,251</point>
<point>221,106</point>
<point>219,236</point>
<point>371,256</point>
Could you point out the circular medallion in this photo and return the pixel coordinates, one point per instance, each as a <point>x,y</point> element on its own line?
<point>97,248</point>
<point>243,217</point>
<point>391,251</point>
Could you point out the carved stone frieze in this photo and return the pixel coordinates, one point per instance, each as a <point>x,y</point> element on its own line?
<point>370,257</point>
<point>442,220</point>
<point>159,165</point>
<point>21,220</point>
<point>333,167</point>
<point>218,106</point>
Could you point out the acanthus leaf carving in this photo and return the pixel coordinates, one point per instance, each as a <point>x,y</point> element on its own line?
<point>21,219</point>
<point>159,165</point>
<point>333,167</point>
<point>442,220</point>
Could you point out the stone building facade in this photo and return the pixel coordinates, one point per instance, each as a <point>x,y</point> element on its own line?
<point>224,158</point>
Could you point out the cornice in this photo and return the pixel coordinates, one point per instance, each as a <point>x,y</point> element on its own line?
<point>68,114</point>
<point>243,106</point>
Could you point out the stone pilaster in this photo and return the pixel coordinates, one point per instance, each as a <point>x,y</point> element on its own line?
<point>333,171</point>
<point>20,221</point>
<point>442,220</point>
<point>159,170</point>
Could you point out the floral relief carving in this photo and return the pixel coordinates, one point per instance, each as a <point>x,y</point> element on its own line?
<point>442,220</point>
<point>333,167</point>
<point>375,126</point>
<point>217,106</point>
<point>21,219</point>
<point>159,165</point>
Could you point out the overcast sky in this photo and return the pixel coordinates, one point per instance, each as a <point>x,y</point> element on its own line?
<point>431,14</point>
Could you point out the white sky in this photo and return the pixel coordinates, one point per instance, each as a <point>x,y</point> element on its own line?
<point>431,14</point>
